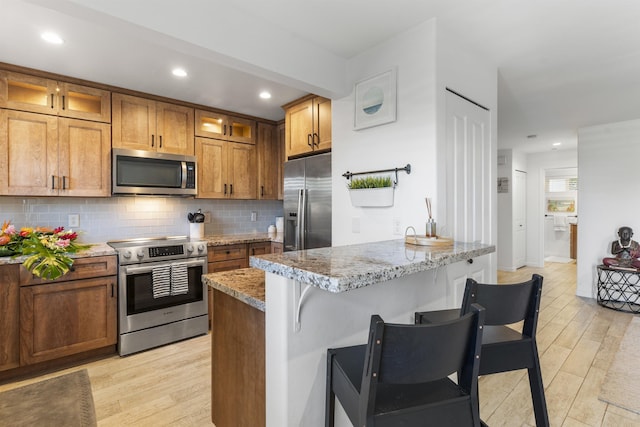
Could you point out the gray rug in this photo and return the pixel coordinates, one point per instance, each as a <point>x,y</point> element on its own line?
<point>621,385</point>
<point>61,401</point>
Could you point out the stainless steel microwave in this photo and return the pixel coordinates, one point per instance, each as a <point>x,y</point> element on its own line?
<point>148,172</point>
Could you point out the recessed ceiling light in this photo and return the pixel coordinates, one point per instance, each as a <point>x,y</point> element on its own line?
<point>265,95</point>
<point>179,72</point>
<point>555,144</point>
<point>52,38</point>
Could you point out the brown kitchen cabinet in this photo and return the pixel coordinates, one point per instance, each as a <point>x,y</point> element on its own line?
<point>307,126</point>
<point>211,124</point>
<point>259,248</point>
<point>43,155</point>
<point>270,163</point>
<point>283,157</point>
<point>145,124</point>
<point>9,316</point>
<point>573,242</point>
<point>224,258</point>
<point>24,92</point>
<point>276,248</point>
<point>73,314</point>
<point>226,169</point>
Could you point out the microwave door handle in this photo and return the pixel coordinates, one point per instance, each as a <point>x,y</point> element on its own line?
<point>183,184</point>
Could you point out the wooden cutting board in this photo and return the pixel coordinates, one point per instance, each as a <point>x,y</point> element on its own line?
<point>422,240</point>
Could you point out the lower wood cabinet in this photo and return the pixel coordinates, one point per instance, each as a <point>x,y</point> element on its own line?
<point>232,257</point>
<point>9,317</point>
<point>259,248</point>
<point>66,318</point>
<point>41,321</point>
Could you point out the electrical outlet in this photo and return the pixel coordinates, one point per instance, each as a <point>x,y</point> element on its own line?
<point>207,217</point>
<point>73,220</point>
<point>397,227</point>
<point>254,216</point>
<point>355,225</point>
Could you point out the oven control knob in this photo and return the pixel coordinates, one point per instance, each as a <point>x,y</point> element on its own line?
<point>189,248</point>
<point>140,253</point>
<point>126,254</point>
<point>201,247</point>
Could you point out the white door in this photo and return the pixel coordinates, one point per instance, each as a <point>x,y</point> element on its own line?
<point>519,218</point>
<point>469,186</point>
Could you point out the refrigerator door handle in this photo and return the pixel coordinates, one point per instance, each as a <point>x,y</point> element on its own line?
<point>298,220</point>
<point>302,219</point>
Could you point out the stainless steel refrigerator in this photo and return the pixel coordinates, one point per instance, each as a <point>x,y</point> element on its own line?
<point>307,203</point>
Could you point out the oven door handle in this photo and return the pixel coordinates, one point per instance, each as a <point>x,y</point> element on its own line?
<point>148,269</point>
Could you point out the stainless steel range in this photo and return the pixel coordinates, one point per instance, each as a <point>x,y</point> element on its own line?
<point>161,296</point>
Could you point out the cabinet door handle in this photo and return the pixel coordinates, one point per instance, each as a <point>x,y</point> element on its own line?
<point>51,100</point>
<point>225,189</point>
<point>160,137</point>
<point>231,188</point>
<point>224,132</point>
<point>262,191</point>
<point>315,135</point>
<point>53,182</point>
<point>309,141</point>
<point>112,291</point>
<point>230,130</point>
<point>153,140</point>
<point>64,182</point>
<point>63,97</point>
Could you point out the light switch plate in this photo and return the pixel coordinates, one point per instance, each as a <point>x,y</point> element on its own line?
<point>254,216</point>
<point>73,220</point>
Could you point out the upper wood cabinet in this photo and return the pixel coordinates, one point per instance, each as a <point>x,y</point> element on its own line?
<point>40,95</point>
<point>270,163</point>
<point>226,169</point>
<point>145,124</point>
<point>307,126</point>
<point>42,155</point>
<point>210,124</point>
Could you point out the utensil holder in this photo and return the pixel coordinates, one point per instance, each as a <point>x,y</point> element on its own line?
<point>196,230</point>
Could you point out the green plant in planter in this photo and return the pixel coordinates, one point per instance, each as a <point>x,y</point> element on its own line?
<point>370,182</point>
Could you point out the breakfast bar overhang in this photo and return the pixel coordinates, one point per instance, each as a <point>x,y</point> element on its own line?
<point>322,298</point>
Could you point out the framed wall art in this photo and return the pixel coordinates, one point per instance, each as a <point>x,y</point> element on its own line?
<point>375,100</point>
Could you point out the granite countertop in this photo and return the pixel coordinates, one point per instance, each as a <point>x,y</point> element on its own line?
<point>231,239</point>
<point>96,249</point>
<point>244,284</point>
<point>342,268</point>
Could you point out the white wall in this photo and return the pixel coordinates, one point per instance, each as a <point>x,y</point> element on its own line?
<point>504,250</point>
<point>608,156</point>
<point>536,165</point>
<point>427,61</point>
<point>410,139</point>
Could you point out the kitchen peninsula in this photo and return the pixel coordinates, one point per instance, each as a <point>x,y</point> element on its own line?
<point>322,298</point>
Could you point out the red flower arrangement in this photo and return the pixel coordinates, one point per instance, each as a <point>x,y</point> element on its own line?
<point>47,249</point>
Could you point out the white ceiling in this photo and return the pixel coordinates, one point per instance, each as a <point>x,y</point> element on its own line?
<point>562,64</point>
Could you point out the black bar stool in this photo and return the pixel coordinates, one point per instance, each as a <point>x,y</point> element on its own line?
<point>503,348</point>
<point>400,378</point>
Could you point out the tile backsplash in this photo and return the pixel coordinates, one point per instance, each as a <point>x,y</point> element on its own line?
<point>116,218</point>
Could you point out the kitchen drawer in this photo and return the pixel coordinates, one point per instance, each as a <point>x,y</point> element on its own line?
<point>83,268</point>
<point>232,264</point>
<point>259,248</point>
<point>227,252</point>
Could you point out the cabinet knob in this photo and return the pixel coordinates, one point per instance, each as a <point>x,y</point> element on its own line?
<point>470,260</point>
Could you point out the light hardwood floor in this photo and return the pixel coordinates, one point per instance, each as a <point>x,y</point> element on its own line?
<point>170,386</point>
